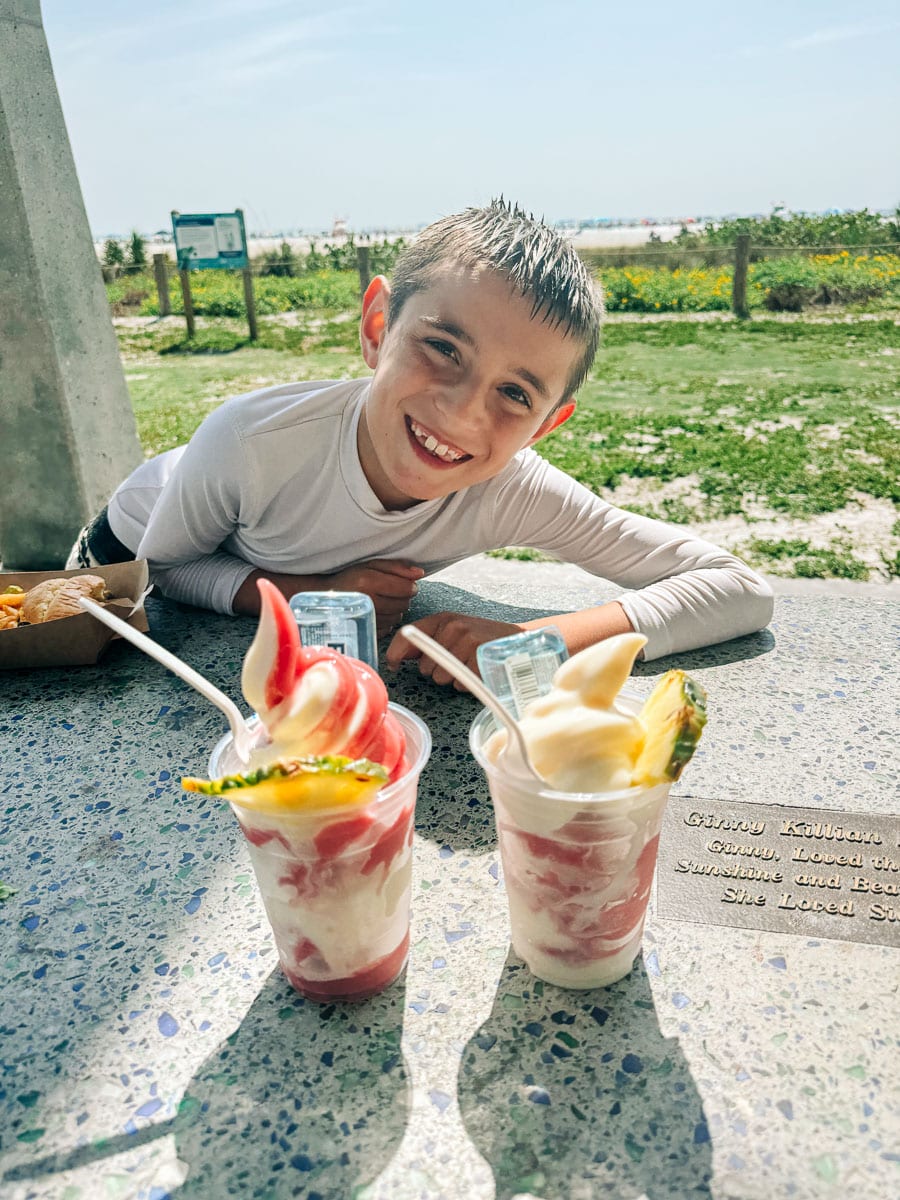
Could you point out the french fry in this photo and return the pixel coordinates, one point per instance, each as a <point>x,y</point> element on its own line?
<point>12,599</point>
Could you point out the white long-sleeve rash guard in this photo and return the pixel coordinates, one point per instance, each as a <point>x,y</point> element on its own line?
<point>272,480</point>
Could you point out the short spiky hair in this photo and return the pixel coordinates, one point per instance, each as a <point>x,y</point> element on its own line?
<point>535,260</point>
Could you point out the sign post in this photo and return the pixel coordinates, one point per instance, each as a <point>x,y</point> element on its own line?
<point>212,241</point>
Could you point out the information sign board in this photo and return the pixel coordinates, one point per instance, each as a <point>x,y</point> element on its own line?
<point>205,241</point>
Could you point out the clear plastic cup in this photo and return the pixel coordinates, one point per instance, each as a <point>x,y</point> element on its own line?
<point>336,882</point>
<point>578,869</point>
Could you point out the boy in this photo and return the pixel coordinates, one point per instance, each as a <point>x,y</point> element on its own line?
<point>489,326</point>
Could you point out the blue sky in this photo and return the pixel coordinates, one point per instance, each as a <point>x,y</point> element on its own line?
<point>392,114</point>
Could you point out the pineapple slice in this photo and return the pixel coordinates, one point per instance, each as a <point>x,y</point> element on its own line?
<point>309,782</point>
<point>673,716</point>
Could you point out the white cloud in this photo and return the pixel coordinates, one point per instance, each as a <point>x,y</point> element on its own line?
<point>229,41</point>
<point>839,33</point>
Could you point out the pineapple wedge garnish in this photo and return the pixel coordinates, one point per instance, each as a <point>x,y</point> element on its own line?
<point>309,782</point>
<point>673,717</point>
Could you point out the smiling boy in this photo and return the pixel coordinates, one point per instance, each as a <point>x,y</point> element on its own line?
<point>477,348</point>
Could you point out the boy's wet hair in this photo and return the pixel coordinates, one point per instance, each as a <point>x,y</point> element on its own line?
<point>534,258</point>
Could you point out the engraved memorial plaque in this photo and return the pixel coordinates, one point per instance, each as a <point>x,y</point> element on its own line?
<point>807,871</point>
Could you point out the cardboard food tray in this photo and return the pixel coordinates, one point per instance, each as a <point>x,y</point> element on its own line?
<point>73,641</point>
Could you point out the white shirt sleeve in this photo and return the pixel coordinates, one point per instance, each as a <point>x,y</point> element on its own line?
<point>682,592</point>
<point>198,508</point>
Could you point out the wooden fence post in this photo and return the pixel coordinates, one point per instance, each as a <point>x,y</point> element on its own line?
<point>362,262</point>
<point>250,301</point>
<point>739,284</point>
<point>161,271</point>
<point>185,276</point>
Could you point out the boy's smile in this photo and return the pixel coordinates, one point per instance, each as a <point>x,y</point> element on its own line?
<point>433,448</point>
<point>464,378</point>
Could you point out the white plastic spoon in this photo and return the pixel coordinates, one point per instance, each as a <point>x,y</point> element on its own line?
<point>461,672</point>
<point>243,736</point>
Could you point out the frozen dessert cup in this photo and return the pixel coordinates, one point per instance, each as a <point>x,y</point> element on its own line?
<point>336,881</point>
<point>578,868</point>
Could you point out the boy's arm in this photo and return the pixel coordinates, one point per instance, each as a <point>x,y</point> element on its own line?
<point>390,583</point>
<point>462,635</point>
<point>199,506</point>
<point>679,591</point>
<point>202,503</point>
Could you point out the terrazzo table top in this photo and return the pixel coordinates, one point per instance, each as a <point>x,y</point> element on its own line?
<point>151,1048</point>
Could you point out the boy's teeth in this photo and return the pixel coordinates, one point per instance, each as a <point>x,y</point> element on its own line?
<point>433,446</point>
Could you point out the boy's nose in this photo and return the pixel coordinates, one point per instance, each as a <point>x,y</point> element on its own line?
<point>466,403</point>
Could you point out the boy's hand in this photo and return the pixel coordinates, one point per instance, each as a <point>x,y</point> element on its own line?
<point>459,634</point>
<point>390,583</point>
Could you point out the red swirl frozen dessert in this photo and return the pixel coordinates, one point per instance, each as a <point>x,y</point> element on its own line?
<point>326,806</point>
<point>313,700</point>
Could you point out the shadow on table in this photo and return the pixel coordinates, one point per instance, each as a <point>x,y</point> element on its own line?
<point>575,1095</point>
<point>302,1099</point>
<point>440,597</point>
<point>737,650</point>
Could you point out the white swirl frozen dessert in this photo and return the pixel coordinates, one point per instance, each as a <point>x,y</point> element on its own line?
<point>579,853</point>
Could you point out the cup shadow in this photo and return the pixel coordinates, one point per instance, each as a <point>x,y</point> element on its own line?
<point>573,1095</point>
<point>330,1133</point>
<point>241,1132</point>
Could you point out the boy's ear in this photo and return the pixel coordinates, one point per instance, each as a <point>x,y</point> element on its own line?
<point>557,418</point>
<point>374,318</point>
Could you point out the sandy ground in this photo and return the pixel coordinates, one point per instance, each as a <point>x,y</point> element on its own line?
<point>865,526</point>
<point>483,572</point>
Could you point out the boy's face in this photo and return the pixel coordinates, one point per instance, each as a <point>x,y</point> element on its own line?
<point>464,378</point>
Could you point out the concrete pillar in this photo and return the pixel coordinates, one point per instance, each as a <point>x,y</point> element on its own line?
<point>67,431</point>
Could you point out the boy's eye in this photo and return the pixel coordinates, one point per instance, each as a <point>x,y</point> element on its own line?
<point>446,349</point>
<point>517,395</point>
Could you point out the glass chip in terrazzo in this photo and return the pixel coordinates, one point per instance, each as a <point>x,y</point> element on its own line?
<point>167,1025</point>
<point>440,1100</point>
<point>149,1108</point>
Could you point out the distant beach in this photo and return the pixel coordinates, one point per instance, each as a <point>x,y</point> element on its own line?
<point>581,239</point>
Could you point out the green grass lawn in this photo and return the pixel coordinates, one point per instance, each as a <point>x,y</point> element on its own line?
<point>784,433</point>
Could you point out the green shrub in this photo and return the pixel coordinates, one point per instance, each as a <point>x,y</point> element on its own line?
<point>113,254</point>
<point>137,252</point>
<point>846,279</point>
<point>785,284</point>
<point>649,290</point>
<point>783,228</point>
<point>281,262</point>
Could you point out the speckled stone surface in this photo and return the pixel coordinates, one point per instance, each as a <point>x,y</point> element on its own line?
<point>150,1048</point>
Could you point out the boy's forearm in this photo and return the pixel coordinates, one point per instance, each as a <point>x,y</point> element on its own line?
<point>590,625</point>
<point>246,598</point>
